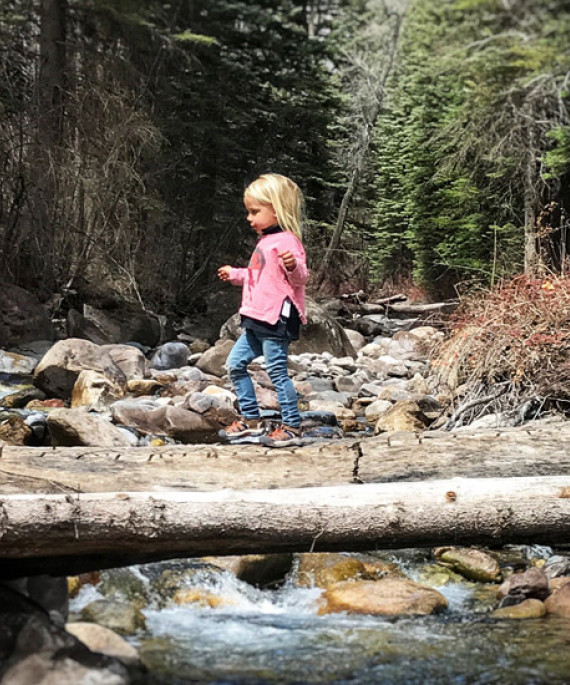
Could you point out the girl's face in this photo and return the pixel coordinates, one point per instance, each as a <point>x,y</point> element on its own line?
<point>260,216</point>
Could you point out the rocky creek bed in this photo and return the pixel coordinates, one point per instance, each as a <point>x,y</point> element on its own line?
<point>407,616</point>
<point>80,417</point>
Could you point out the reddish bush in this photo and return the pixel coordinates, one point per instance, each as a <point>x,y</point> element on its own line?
<point>518,332</point>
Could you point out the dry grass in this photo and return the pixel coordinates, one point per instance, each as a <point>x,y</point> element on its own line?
<point>515,337</point>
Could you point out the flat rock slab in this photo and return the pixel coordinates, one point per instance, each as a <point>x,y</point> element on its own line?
<point>183,467</point>
<point>536,449</point>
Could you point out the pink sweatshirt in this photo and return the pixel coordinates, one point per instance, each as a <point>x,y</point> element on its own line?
<point>267,283</point>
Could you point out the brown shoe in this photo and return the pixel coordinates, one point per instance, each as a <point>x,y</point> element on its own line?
<point>243,428</point>
<point>284,436</point>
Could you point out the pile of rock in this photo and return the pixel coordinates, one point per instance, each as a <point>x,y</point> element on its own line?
<point>82,393</point>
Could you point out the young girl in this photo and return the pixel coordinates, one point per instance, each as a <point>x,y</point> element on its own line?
<point>272,307</point>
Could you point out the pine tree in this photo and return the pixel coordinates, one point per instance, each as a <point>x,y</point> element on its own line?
<point>478,90</point>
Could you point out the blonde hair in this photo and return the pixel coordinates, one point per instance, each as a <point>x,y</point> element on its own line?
<point>284,195</point>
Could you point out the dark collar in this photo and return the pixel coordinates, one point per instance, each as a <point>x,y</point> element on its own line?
<point>272,229</point>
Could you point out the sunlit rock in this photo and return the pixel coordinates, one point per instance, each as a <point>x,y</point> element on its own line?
<point>341,412</point>
<point>213,361</point>
<point>558,583</point>
<point>139,387</point>
<point>16,364</point>
<point>15,431</point>
<point>559,602</point>
<point>217,407</point>
<point>175,422</point>
<point>59,368</point>
<point>322,569</point>
<point>529,608</point>
<point>356,339</point>
<point>402,416</point>
<point>375,410</point>
<point>72,427</point>
<point>470,563</point>
<point>129,359</point>
<point>386,597</point>
<point>396,392</point>
<point>201,597</point>
<point>103,640</point>
<point>533,583</point>
<point>94,390</point>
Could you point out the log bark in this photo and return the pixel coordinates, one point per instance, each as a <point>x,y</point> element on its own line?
<point>388,300</point>
<point>422,310</point>
<point>536,449</point>
<point>366,308</point>
<point>137,525</point>
<point>185,478</point>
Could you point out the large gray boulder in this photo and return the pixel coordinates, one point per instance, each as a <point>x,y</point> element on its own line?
<point>123,324</point>
<point>213,361</point>
<point>22,318</point>
<point>176,422</point>
<point>72,427</point>
<point>321,333</point>
<point>171,355</point>
<point>35,649</point>
<point>60,367</point>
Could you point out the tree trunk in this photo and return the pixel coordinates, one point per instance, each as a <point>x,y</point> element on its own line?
<point>118,525</point>
<point>370,115</point>
<point>50,117</point>
<point>51,85</point>
<point>530,252</point>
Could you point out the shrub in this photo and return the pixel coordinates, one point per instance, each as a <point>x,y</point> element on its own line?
<point>516,336</point>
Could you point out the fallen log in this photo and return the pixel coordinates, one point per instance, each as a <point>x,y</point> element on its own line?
<point>406,310</point>
<point>44,532</point>
<point>365,309</point>
<point>539,448</point>
<point>392,298</point>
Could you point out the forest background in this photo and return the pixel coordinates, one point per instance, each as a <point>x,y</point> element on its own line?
<point>431,139</point>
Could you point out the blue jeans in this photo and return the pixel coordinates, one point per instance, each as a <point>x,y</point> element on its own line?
<point>249,346</point>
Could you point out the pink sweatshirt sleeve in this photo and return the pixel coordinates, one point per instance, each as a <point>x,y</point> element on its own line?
<point>300,274</point>
<point>238,276</point>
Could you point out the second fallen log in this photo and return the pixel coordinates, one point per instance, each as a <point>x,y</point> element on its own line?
<point>491,511</point>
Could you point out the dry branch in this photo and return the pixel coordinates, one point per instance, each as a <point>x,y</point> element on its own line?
<point>519,334</point>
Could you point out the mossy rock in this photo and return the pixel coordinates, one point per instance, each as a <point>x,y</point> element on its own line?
<point>124,619</point>
<point>471,563</point>
<point>122,583</point>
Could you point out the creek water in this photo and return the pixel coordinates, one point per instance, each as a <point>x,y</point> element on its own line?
<point>262,637</point>
<point>10,383</point>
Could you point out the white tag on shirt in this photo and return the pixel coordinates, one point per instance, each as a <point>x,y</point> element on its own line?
<point>286,309</point>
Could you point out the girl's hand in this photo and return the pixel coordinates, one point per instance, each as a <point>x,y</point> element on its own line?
<point>224,272</point>
<point>289,260</point>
